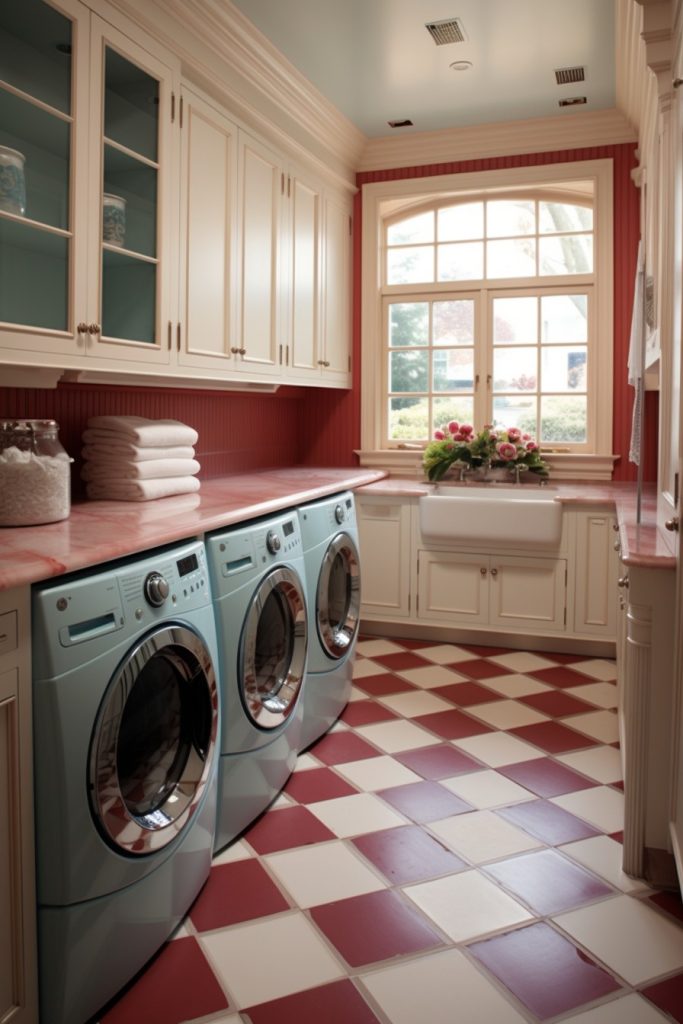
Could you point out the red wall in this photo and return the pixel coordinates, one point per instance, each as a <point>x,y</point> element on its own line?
<point>317,426</point>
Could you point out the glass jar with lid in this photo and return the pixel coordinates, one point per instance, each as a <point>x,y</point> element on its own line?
<point>35,474</point>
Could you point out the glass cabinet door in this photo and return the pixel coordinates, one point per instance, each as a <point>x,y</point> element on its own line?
<point>40,67</point>
<point>130,123</point>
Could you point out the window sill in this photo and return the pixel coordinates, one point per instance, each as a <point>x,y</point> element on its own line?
<point>563,466</point>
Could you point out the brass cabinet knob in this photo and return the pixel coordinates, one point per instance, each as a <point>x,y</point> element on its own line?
<point>82,328</point>
<point>672,524</point>
<point>494,572</point>
<point>483,571</point>
<point>622,581</point>
<point>94,329</point>
<point>235,351</point>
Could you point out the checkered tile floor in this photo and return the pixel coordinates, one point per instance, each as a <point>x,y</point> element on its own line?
<point>450,851</point>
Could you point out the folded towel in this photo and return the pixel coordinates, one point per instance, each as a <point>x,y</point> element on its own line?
<point>150,433</point>
<point>141,490</point>
<point>121,469</point>
<point>95,449</point>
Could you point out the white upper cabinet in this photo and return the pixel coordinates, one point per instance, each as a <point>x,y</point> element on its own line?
<point>302,295</point>
<point>337,291</point>
<point>85,236</point>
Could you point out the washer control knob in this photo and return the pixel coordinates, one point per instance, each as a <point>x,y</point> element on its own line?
<point>339,514</point>
<point>273,542</point>
<point>156,589</point>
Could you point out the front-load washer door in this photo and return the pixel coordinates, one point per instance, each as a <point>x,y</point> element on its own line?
<point>273,646</point>
<point>154,741</point>
<point>338,596</point>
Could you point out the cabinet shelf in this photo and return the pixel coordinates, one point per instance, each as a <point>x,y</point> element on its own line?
<point>117,256</point>
<point>35,51</point>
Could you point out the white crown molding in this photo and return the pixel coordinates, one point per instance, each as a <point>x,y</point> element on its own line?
<point>225,54</point>
<point>508,138</point>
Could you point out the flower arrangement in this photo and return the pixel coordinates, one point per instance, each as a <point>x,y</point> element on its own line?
<point>492,447</point>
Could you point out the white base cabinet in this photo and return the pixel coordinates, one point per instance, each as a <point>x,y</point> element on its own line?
<point>18,972</point>
<point>384,526</point>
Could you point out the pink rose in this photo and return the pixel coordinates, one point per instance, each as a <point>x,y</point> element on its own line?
<point>531,446</point>
<point>526,437</point>
<point>506,451</point>
<point>453,427</point>
<point>466,428</point>
<point>439,435</point>
<point>493,436</point>
<point>514,434</point>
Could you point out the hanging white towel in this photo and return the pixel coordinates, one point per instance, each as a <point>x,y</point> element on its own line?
<point>141,490</point>
<point>120,469</point>
<point>144,432</point>
<point>96,449</point>
<point>635,358</point>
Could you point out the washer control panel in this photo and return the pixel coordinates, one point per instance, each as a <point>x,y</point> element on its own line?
<point>156,589</point>
<point>279,538</point>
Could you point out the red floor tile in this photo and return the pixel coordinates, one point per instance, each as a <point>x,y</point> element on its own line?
<point>438,762</point>
<point>379,925</point>
<point>670,902</point>
<point>618,836</point>
<point>667,996</point>
<point>544,970</point>
<point>561,677</point>
<point>564,659</point>
<point>618,785</point>
<point>546,777</point>
<point>485,652</point>
<point>317,784</point>
<point>424,801</point>
<point>339,747</point>
<point>481,669</point>
<point>464,694</point>
<point>552,824</point>
<point>285,828</point>
<point>407,854</point>
<point>363,712</point>
<point>337,1003</point>
<point>548,882</point>
<point>178,985</point>
<point>236,892</point>
<point>557,704</point>
<point>553,737</point>
<point>415,645</point>
<point>382,684</point>
<point>400,661</point>
<point>451,725</point>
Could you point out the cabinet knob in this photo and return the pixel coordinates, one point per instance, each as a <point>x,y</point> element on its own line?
<point>482,571</point>
<point>321,362</point>
<point>82,328</point>
<point>617,545</point>
<point>494,572</point>
<point>622,581</point>
<point>235,351</point>
<point>326,363</point>
<point>672,524</point>
<point>94,329</point>
<point>615,527</point>
<point>243,351</point>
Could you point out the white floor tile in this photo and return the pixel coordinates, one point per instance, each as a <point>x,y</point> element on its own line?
<point>352,815</point>
<point>322,874</point>
<point>604,856</point>
<point>445,654</point>
<point>467,905</point>
<point>522,661</point>
<point>397,735</point>
<point>600,763</point>
<point>597,668</point>
<point>429,988</point>
<point>631,1009</point>
<point>357,694</point>
<point>306,761</point>
<point>601,806</point>
<point>281,800</point>
<point>487,789</point>
<point>365,667</point>
<point>431,676</point>
<point>515,685</point>
<point>338,726</point>
<point>481,836</point>
<point>415,702</point>
<point>631,938</point>
<point>498,748</point>
<point>373,773</point>
<point>601,725</point>
<point>235,851</point>
<point>506,714</point>
<point>378,648</point>
<point>270,958</point>
<point>604,695</point>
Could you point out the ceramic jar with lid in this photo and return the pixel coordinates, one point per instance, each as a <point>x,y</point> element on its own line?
<point>35,473</point>
<point>12,181</point>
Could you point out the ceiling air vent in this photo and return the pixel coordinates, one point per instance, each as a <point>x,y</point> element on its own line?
<point>573,101</point>
<point>565,76</point>
<point>448,31</point>
<point>405,123</point>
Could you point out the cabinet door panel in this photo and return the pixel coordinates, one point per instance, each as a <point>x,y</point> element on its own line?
<point>596,573</point>
<point>384,534</point>
<point>527,592</point>
<point>337,325</point>
<point>304,313</point>
<point>452,587</point>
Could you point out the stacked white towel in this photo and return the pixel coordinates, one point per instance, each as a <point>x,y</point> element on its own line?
<point>130,458</point>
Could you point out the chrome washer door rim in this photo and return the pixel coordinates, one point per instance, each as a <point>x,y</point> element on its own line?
<point>140,834</point>
<point>269,708</point>
<point>336,638</point>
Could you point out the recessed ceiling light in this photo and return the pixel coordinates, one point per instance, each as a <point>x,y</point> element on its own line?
<point>573,101</point>
<point>460,65</point>
<point>405,123</point>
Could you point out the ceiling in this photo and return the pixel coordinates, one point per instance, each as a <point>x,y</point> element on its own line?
<point>376,61</point>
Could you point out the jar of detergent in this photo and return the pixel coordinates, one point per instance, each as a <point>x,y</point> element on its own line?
<point>35,473</point>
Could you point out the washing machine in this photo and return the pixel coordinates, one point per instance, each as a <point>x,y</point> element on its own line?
<point>329,533</point>
<point>257,577</point>
<point>126,723</point>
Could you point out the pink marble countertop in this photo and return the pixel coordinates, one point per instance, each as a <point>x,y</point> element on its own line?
<point>98,531</point>
<point>642,544</point>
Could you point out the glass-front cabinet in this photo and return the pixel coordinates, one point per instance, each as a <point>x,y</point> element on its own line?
<point>85,188</point>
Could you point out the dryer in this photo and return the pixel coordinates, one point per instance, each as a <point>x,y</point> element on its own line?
<point>257,577</point>
<point>126,721</point>
<point>329,534</point>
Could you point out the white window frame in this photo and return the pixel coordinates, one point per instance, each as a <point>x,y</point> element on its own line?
<point>373,452</point>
